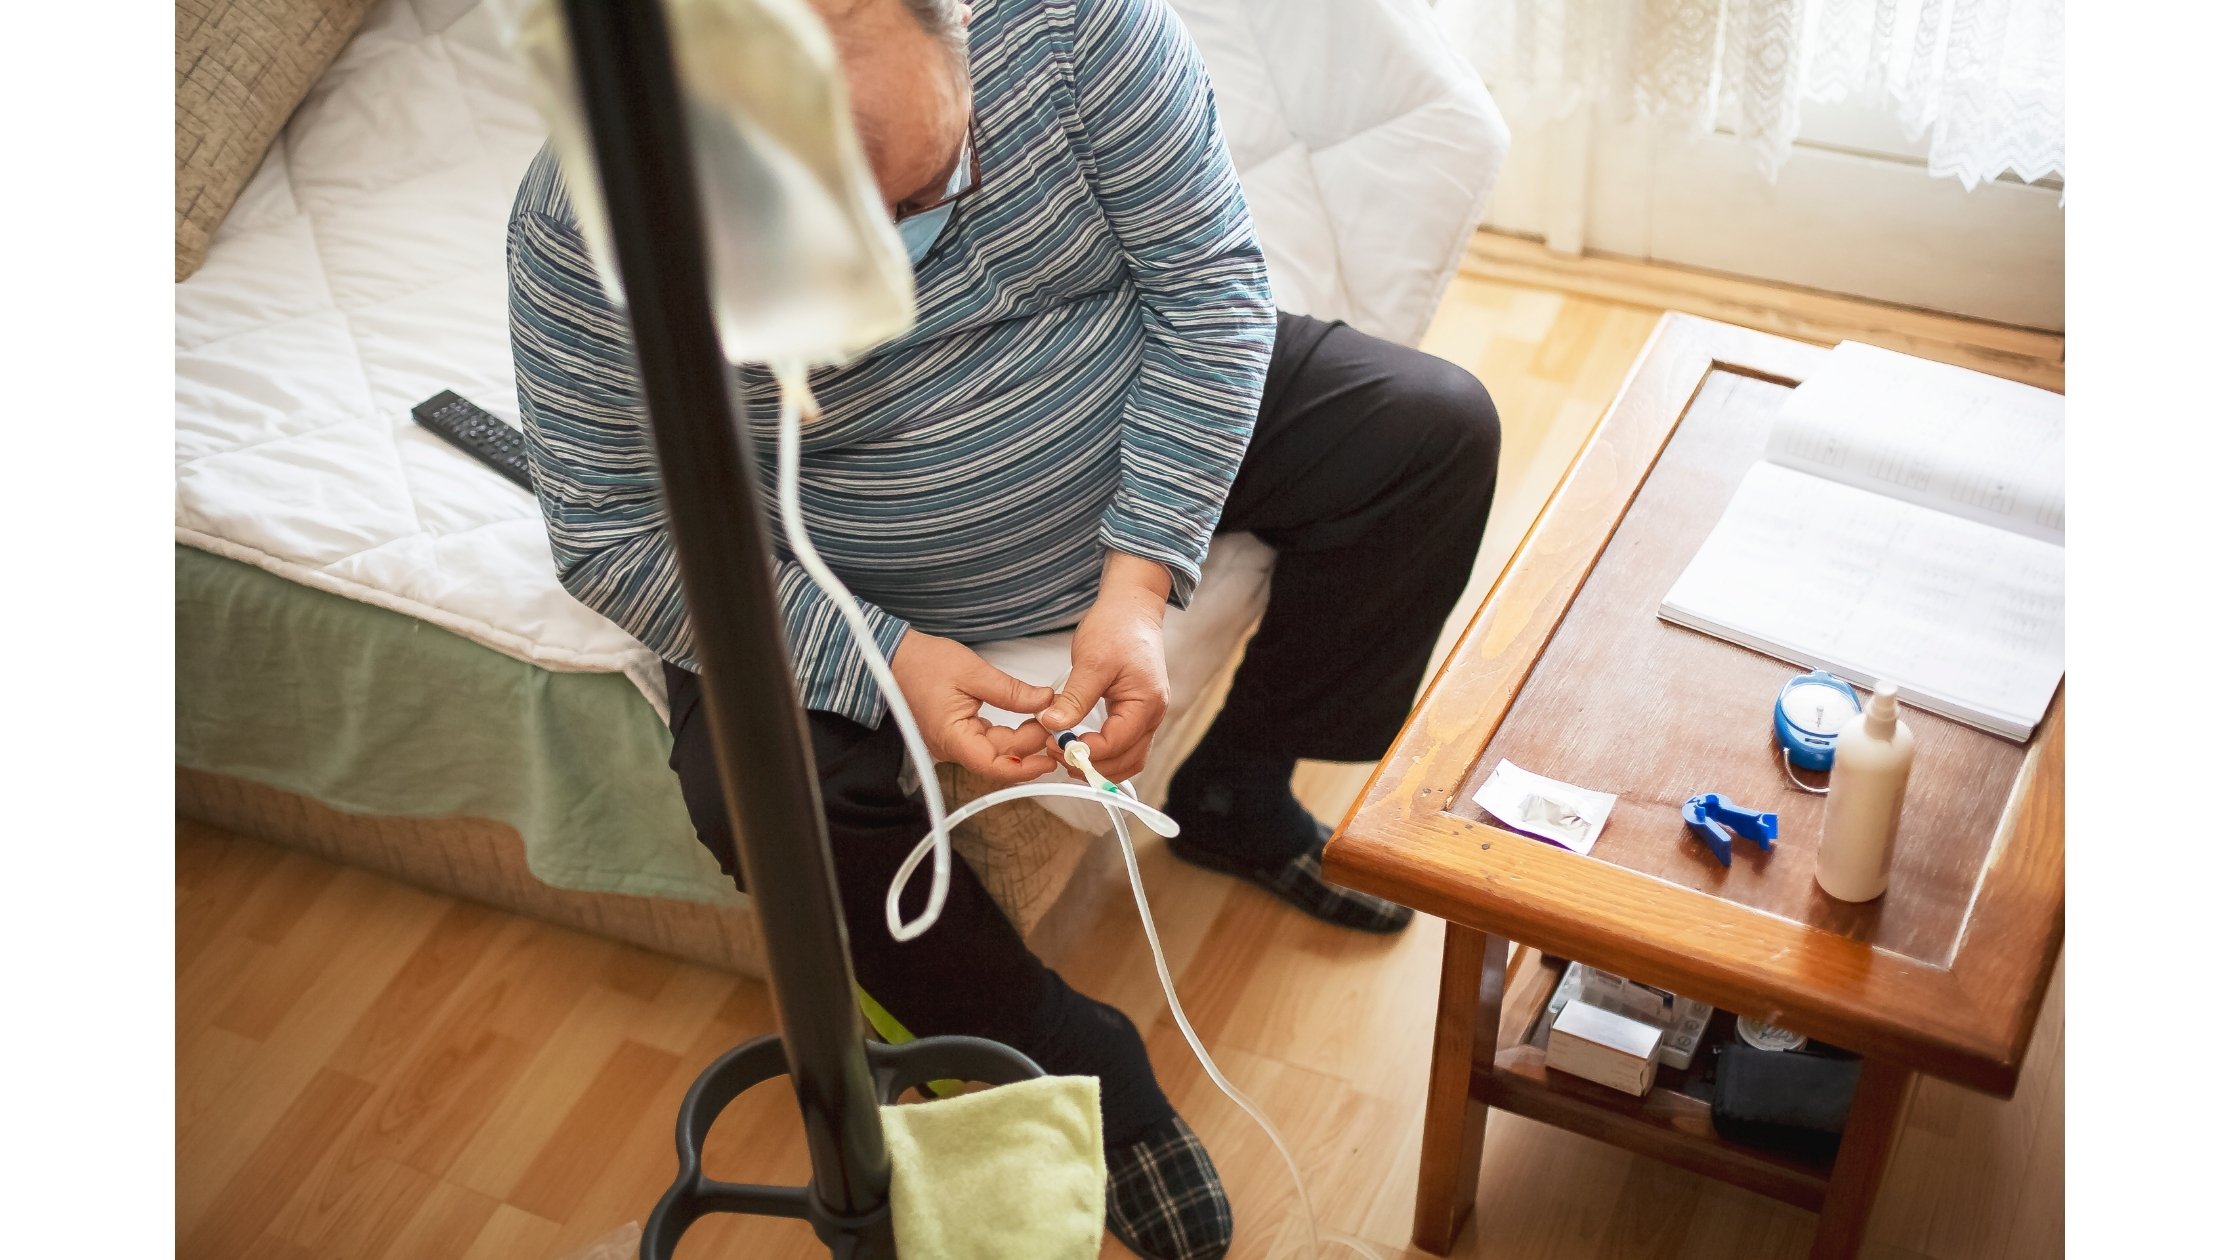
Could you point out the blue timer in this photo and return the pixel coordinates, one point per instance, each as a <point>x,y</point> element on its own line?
<point>1811,709</point>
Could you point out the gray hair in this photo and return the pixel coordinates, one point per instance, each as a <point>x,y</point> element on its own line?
<point>942,19</point>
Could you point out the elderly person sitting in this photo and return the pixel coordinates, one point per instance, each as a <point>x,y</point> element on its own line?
<point>1096,384</point>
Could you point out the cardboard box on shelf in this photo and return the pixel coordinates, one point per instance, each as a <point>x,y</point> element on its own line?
<point>1605,1047</point>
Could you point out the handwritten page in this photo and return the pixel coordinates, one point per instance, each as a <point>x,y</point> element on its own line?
<point>1930,433</point>
<point>1907,524</point>
<point>1965,617</point>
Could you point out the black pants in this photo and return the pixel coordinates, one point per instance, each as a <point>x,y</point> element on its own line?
<point>1370,473</point>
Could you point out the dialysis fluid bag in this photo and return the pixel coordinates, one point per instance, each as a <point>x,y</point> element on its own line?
<point>807,266</point>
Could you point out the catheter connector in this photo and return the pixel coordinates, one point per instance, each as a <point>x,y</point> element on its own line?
<point>1077,755</point>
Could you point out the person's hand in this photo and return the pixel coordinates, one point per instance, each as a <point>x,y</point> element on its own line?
<point>1119,656</point>
<point>946,683</point>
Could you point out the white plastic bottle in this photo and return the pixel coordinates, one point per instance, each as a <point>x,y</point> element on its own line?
<point>1866,790</point>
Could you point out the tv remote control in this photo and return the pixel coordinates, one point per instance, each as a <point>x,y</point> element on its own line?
<point>479,434</point>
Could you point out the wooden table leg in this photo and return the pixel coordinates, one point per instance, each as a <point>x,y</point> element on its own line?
<point>1454,1122</point>
<point>1878,1113</point>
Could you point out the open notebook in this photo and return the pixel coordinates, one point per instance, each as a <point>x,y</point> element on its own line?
<point>1906,523</point>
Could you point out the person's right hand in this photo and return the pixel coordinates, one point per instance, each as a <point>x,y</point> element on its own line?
<point>946,683</point>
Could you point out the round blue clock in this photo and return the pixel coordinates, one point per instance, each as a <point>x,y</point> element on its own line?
<point>1808,713</point>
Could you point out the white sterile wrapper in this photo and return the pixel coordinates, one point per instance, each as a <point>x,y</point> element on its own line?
<point>1549,809</point>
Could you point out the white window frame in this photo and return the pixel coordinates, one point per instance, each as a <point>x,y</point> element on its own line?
<point>1853,211</point>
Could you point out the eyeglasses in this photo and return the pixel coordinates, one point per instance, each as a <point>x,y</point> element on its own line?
<point>963,181</point>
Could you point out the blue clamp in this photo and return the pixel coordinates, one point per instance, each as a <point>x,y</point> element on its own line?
<point>1710,817</point>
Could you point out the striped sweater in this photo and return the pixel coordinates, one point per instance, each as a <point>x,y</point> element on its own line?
<point>1093,332</point>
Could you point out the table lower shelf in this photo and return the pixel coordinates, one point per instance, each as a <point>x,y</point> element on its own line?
<point>1664,1124</point>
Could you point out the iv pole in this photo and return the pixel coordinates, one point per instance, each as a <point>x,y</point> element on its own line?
<point>716,516</point>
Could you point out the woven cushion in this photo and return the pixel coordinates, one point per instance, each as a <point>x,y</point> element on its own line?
<point>242,66</point>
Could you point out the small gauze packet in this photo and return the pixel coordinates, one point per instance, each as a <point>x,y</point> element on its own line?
<point>1549,809</point>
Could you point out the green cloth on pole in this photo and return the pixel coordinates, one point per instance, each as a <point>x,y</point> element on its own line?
<point>1010,1173</point>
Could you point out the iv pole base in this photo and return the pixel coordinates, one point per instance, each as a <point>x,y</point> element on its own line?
<point>893,1069</point>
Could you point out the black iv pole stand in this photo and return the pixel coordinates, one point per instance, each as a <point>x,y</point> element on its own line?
<point>716,517</point>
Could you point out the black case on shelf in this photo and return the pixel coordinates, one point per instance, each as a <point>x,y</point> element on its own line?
<point>1789,1101</point>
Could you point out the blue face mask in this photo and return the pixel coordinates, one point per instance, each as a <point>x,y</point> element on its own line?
<point>920,231</point>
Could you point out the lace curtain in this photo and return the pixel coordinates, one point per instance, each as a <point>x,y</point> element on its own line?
<point>1982,78</point>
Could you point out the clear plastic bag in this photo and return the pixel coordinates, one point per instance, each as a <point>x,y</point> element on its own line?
<point>807,266</point>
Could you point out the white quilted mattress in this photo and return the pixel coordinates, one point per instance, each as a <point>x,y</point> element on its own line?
<point>363,270</point>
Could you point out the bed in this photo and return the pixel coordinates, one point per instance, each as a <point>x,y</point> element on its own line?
<point>374,658</point>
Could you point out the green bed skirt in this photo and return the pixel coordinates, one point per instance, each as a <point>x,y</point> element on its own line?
<point>376,712</point>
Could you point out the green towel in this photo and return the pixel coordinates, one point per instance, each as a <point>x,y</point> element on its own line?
<point>1011,1173</point>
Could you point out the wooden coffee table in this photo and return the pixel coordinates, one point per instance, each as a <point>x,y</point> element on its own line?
<point>1567,672</point>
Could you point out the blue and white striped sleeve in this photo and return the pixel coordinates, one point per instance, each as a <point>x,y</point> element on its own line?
<point>1162,175</point>
<point>592,459</point>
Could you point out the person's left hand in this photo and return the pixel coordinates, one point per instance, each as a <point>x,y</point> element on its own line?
<point>1119,656</point>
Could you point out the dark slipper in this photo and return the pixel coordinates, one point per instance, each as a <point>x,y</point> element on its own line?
<point>1300,882</point>
<point>1163,1200</point>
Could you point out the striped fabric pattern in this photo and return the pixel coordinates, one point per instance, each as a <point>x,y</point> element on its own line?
<point>1093,332</point>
